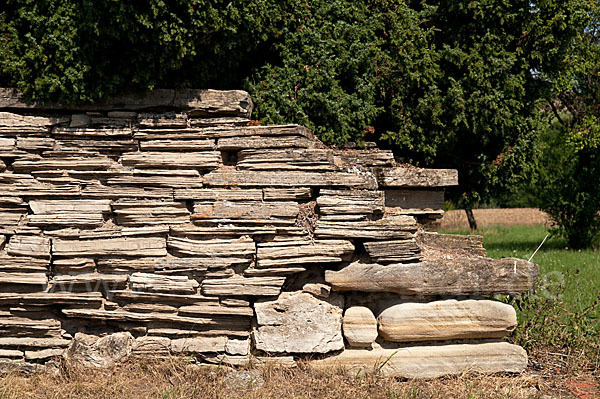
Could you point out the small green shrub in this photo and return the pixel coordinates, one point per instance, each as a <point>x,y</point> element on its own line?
<point>545,320</point>
<point>567,184</point>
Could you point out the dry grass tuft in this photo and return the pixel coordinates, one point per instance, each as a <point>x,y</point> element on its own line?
<point>173,378</point>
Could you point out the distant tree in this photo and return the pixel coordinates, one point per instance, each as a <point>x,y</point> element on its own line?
<point>569,161</point>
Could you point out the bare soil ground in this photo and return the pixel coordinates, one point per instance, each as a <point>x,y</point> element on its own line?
<point>457,219</point>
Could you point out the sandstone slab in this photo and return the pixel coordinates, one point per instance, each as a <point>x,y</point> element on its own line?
<point>443,276</point>
<point>417,177</point>
<point>446,320</point>
<point>131,246</point>
<point>297,322</point>
<point>360,326</point>
<point>432,361</point>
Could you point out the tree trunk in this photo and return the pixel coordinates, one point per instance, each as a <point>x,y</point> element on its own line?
<point>471,219</point>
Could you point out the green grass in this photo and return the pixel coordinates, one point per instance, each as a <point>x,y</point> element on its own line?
<point>577,270</point>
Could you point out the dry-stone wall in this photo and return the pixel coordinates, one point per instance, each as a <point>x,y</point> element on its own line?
<point>170,224</point>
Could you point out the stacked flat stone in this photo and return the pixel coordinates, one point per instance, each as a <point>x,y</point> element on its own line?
<point>169,224</point>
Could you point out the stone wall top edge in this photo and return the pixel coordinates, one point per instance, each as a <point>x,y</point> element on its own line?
<point>201,101</point>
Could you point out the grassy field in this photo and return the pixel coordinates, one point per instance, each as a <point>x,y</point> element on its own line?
<point>577,271</point>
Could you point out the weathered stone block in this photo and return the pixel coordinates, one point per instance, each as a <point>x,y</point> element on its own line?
<point>297,322</point>
<point>360,326</point>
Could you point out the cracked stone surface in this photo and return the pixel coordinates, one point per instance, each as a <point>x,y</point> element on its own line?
<point>297,322</point>
<point>105,352</point>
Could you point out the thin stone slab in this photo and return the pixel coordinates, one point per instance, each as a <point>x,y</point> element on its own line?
<point>417,177</point>
<point>23,263</point>
<point>24,185</point>
<point>146,308</point>
<point>31,279</point>
<point>214,102</point>
<point>91,299</point>
<point>118,144</point>
<point>286,194</point>
<point>72,163</point>
<point>24,124</point>
<point>246,212</point>
<point>170,264</point>
<point>242,286</point>
<point>409,200</point>
<point>43,354</point>
<point>231,121</point>
<point>208,231</point>
<point>35,143</point>
<point>151,346</point>
<point>199,345</point>
<point>89,282</point>
<point>123,316</point>
<point>34,246</point>
<point>48,207</point>
<point>288,179</point>
<point>130,246</point>
<point>161,121</point>
<point>216,194</point>
<point>161,283</point>
<point>7,144</point>
<point>297,322</point>
<point>33,342</point>
<point>63,219</point>
<point>350,202</point>
<point>447,320</point>
<point>187,160</point>
<point>211,309</point>
<point>431,361</point>
<point>393,251</point>
<point>196,102</point>
<point>119,133</point>
<point>118,192</point>
<point>273,271</point>
<point>176,179</point>
<point>109,232</point>
<point>124,297</point>
<point>398,227</point>
<point>374,158</point>
<point>219,252</point>
<point>177,145</point>
<point>286,159</point>
<point>219,132</point>
<point>253,142</point>
<point>147,213</point>
<point>263,131</point>
<point>74,265</point>
<point>287,253</point>
<point>465,244</point>
<point>459,276</point>
<point>26,327</point>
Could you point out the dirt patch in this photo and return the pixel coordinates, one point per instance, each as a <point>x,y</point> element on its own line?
<point>457,219</point>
